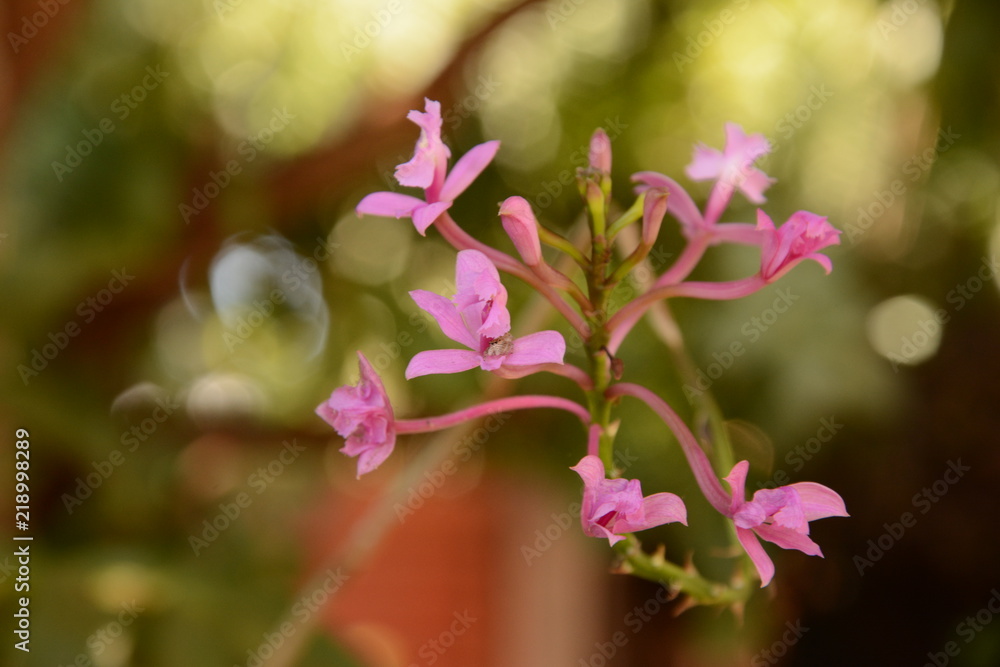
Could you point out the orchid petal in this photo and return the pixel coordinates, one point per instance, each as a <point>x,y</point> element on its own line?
<point>787,538</point>
<point>759,557</point>
<point>424,216</point>
<point>481,296</point>
<point>430,362</point>
<point>753,185</point>
<point>707,163</point>
<point>475,275</point>
<point>818,501</point>
<point>490,363</point>
<point>430,157</point>
<point>737,479</point>
<point>447,316</point>
<point>659,508</point>
<point>590,469</point>
<point>748,147</point>
<point>496,317</point>
<point>468,167</point>
<point>542,347</point>
<point>597,530</point>
<point>737,232</point>
<point>368,458</point>
<point>388,204</point>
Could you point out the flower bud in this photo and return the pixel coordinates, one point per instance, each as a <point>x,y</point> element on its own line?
<point>600,152</point>
<point>654,207</point>
<point>522,228</point>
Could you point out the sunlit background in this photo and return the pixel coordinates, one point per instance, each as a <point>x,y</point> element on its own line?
<point>185,279</point>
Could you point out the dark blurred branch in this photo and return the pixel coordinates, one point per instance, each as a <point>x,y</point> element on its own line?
<point>31,40</point>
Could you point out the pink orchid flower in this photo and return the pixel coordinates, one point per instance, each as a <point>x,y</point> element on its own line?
<point>733,168</point>
<point>799,238</point>
<point>428,169</point>
<point>363,415</point>
<point>477,317</point>
<point>780,515</point>
<point>612,507</point>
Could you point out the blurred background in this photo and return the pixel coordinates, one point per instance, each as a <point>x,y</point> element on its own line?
<point>186,280</point>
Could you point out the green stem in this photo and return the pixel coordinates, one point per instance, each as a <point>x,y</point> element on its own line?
<point>655,567</point>
<point>633,214</point>
<point>561,243</point>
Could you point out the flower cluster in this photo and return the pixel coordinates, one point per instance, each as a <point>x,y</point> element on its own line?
<point>477,318</point>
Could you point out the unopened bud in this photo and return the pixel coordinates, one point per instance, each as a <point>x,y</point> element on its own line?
<point>654,207</point>
<point>600,152</point>
<point>522,228</point>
